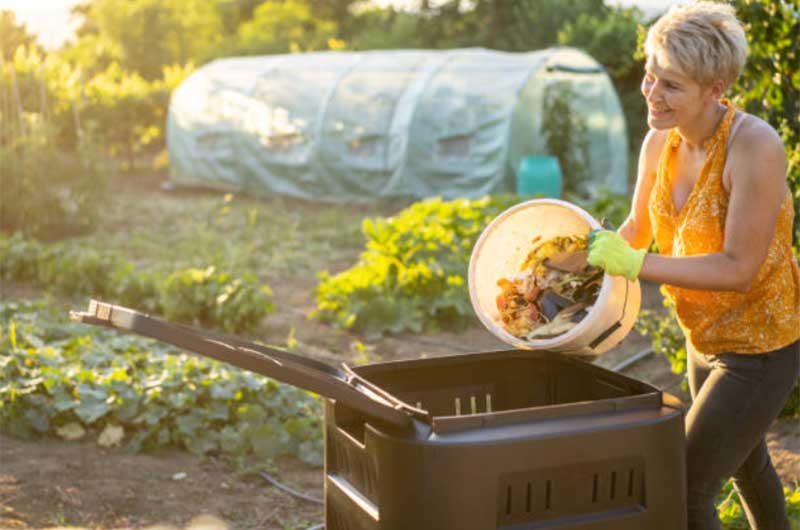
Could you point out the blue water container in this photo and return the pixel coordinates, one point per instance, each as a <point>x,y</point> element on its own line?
<point>539,176</point>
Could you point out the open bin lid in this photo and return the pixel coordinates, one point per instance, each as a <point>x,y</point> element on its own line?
<point>342,385</point>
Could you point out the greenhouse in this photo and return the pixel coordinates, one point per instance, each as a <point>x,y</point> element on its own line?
<point>345,126</point>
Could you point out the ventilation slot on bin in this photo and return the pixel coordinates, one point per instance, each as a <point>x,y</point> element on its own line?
<point>466,405</point>
<point>454,401</point>
<point>565,492</point>
<point>348,460</point>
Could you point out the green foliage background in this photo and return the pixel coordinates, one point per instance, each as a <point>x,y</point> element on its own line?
<point>770,84</point>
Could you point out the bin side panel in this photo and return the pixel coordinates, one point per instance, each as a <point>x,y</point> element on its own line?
<point>629,476</point>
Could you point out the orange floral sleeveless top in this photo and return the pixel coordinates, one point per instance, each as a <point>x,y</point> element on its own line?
<point>765,318</point>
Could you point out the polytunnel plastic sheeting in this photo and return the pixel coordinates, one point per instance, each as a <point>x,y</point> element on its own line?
<point>365,130</point>
<point>461,124</point>
<point>359,125</point>
<point>205,123</point>
<point>289,102</point>
<point>597,106</point>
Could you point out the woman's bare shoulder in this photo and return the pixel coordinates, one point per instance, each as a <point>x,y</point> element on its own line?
<point>757,150</point>
<point>756,136</point>
<point>652,146</point>
<point>655,138</point>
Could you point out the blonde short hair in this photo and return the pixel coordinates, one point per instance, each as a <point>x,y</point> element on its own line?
<point>703,40</point>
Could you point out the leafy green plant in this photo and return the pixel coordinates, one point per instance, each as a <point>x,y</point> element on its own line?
<point>732,514</point>
<point>666,334</point>
<point>210,297</point>
<point>20,258</point>
<point>69,270</point>
<point>67,379</point>
<point>565,133</point>
<point>604,205</point>
<point>203,296</point>
<point>136,288</point>
<point>412,274</point>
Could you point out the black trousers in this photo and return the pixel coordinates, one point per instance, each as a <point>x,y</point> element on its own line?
<point>735,398</point>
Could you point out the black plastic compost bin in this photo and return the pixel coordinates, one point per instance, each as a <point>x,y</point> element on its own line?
<point>506,440</point>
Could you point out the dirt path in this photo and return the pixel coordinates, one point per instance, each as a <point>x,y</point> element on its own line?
<point>52,483</point>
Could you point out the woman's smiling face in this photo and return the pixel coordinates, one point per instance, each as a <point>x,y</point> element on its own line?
<point>673,99</point>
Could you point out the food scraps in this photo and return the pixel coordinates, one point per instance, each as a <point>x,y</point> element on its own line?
<point>542,301</point>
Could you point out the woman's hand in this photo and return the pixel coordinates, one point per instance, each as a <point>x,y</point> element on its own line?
<point>611,252</point>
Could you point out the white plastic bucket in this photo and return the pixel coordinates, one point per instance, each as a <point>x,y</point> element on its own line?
<point>501,250</point>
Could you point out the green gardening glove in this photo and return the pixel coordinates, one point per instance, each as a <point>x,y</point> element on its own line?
<point>612,253</point>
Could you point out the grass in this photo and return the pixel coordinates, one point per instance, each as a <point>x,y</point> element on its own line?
<point>272,238</point>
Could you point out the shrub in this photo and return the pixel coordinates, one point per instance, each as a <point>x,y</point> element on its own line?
<point>48,193</point>
<point>212,298</point>
<point>205,297</point>
<point>412,274</point>
<point>48,190</point>
<point>20,259</point>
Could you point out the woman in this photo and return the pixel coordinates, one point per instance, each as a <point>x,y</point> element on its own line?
<point>712,191</point>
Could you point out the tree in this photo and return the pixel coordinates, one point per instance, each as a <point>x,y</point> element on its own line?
<point>13,35</point>
<point>284,26</point>
<point>146,35</point>
<point>338,12</point>
<point>234,13</point>
<point>510,25</point>
<point>384,28</point>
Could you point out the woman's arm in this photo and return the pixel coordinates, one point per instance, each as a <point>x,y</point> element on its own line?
<point>636,229</point>
<point>757,162</point>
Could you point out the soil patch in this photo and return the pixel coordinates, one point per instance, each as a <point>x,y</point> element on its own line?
<point>53,483</point>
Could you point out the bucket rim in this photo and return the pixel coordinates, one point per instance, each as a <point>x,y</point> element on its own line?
<point>534,344</point>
